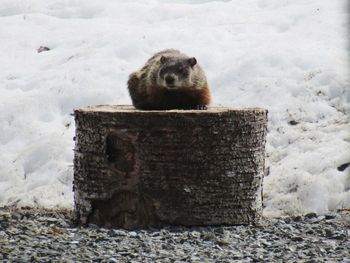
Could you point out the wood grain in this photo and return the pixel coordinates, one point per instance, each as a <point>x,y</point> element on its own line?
<point>137,168</point>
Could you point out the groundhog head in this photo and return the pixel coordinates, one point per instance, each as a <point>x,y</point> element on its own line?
<point>176,72</point>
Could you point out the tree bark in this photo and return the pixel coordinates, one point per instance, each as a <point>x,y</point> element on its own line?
<point>137,168</point>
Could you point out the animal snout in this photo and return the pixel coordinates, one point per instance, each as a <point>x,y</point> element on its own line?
<point>170,80</point>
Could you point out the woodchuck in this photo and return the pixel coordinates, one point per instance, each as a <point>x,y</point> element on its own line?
<point>169,80</point>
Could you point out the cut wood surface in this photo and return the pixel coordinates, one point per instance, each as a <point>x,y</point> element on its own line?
<point>137,168</point>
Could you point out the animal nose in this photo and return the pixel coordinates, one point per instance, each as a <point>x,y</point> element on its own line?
<point>169,80</point>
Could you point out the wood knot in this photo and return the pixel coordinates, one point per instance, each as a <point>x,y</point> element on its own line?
<point>120,152</point>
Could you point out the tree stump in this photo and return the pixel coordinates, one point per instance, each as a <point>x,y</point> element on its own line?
<point>137,168</point>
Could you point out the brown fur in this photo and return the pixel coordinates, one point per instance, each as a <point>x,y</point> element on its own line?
<point>147,96</point>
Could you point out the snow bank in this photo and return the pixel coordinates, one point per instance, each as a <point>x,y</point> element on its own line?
<point>291,57</point>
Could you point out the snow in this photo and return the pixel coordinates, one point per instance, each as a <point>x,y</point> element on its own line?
<point>290,56</point>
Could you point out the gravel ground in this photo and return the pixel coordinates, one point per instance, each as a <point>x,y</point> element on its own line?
<point>33,235</point>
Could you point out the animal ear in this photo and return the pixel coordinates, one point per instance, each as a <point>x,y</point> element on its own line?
<point>192,61</point>
<point>163,59</point>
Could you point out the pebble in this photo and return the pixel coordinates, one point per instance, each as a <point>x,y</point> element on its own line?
<point>311,215</point>
<point>51,236</point>
<point>42,49</point>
